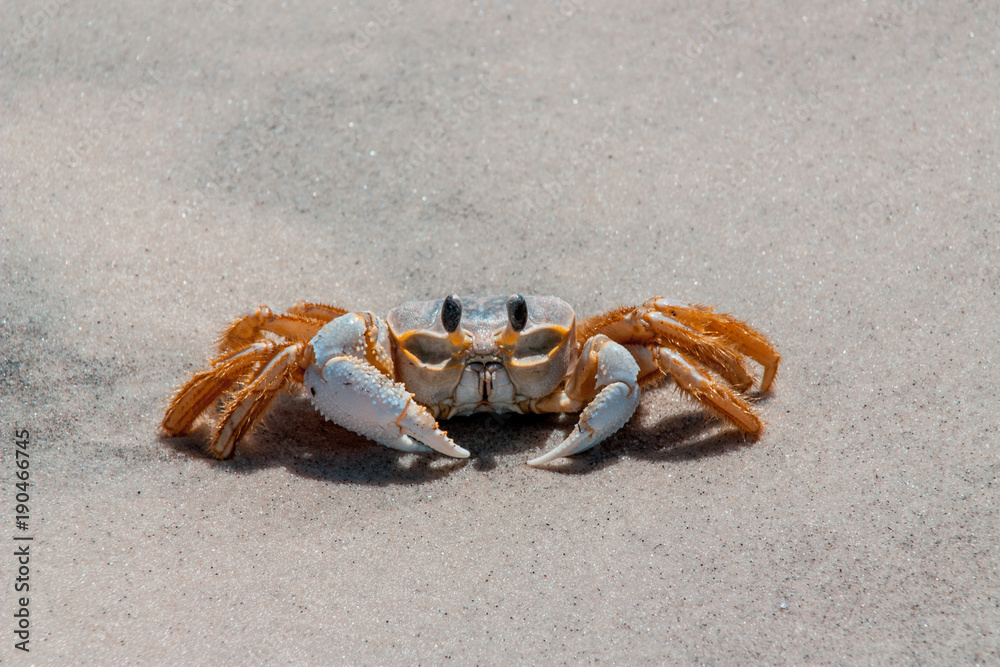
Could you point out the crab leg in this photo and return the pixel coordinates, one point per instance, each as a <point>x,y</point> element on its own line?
<point>348,390</point>
<point>609,369</point>
<point>719,358</point>
<point>293,327</point>
<point>715,395</point>
<point>742,337</point>
<point>205,387</point>
<point>251,401</point>
<point>316,311</point>
<point>715,340</point>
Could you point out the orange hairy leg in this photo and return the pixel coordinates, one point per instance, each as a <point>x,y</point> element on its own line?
<point>744,338</point>
<point>630,326</point>
<point>253,362</point>
<point>205,387</point>
<point>316,311</point>
<point>655,363</point>
<point>712,339</point>
<point>286,366</point>
<point>718,397</point>
<point>293,327</point>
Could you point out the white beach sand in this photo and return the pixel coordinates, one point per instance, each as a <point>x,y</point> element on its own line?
<point>828,173</point>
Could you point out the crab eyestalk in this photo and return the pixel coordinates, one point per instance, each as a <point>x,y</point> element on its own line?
<point>517,319</point>
<point>451,318</point>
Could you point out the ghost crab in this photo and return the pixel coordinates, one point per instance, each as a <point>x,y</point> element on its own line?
<point>391,379</point>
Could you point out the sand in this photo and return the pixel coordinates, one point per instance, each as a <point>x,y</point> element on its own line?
<point>828,173</point>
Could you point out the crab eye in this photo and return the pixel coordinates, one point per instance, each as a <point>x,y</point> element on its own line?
<point>451,313</point>
<point>517,312</point>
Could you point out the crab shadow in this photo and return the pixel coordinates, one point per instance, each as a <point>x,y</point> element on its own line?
<point>687,435</point>
<point>297,438</point>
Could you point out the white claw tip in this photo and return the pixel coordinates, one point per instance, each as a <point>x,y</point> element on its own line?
<point>441,443</point>
<point>542,460</point>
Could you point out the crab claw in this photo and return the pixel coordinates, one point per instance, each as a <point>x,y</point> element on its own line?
<point>614,372</point>
<point>607,413</point>
<point>350,392</point>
